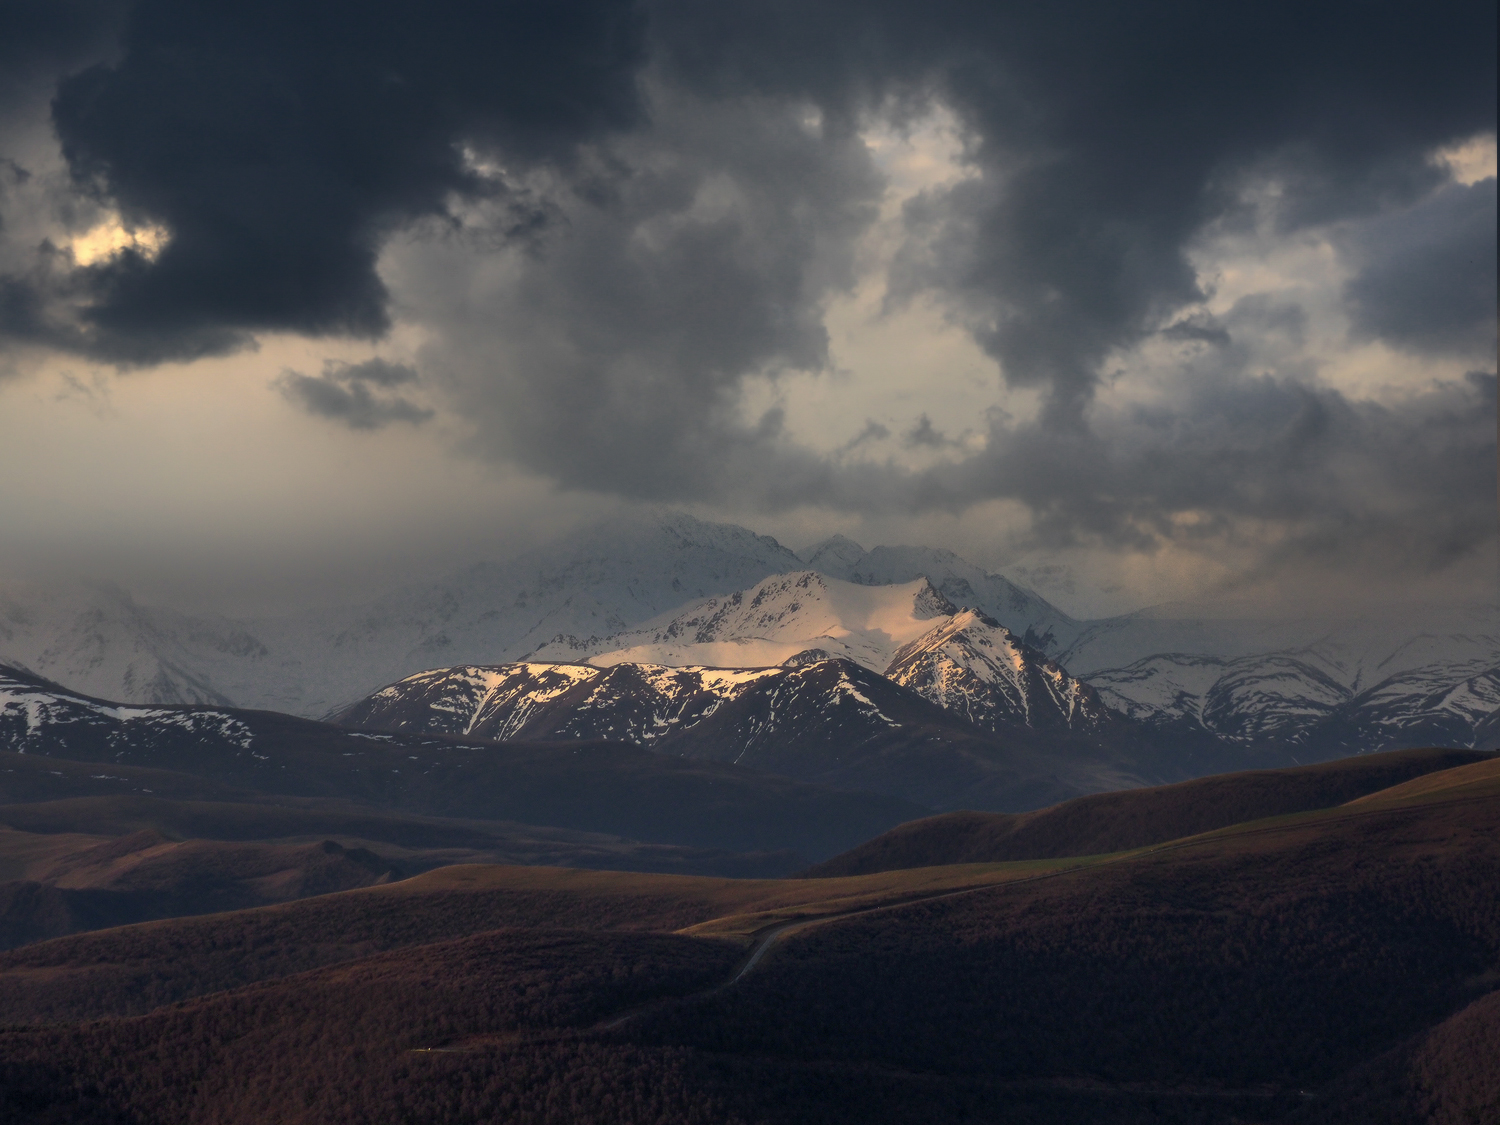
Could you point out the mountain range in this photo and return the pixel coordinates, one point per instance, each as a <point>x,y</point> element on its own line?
<point>885,689</point>
<point>229,754</point>
<point>1317,688</point>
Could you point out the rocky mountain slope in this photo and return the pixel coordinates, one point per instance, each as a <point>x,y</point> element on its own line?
<point>816,718</point>
<point>588,785</point>
<point>976,667</point>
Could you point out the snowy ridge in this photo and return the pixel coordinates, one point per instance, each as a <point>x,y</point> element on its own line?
<point>1040,623</point>
<point>1304,697</point>
<point>642,703</point>
<point>771,622</point>
<point>29,712</point>
<point>600,580</point>
<point>973,665</point>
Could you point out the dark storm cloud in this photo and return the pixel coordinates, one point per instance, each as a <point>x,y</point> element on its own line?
<point>1108,133</point>
<point>1427,275</point>
<point>40,40</point>
<point>355,394</point>
<point>280,143</point>
<point>618,351</point>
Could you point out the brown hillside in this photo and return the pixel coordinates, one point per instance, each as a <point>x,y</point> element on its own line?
<point>1242,975</point>
<point>132,969</point>
<point>1134,818</point>
<point>1446,1076</point>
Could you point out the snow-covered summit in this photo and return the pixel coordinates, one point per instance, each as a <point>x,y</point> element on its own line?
<point>1032,616</point>
<point>975,666</point>
<point>770,622</point>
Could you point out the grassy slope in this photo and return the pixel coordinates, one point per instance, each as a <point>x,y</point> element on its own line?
<point>1134,818</point>
<point>1205,980</point>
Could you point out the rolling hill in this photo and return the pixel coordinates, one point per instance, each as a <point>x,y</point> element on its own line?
<point>1110,822</point>
<point>1325,966</point>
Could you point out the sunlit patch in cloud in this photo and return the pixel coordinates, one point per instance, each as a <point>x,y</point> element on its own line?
<point>893,363</point>
<point>1469,161</point>
<point>112,237</point>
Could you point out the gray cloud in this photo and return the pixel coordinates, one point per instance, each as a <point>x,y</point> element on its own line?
<point>925,435</point>
<point>1426,278</point>
<point>606,218</point>
<point>616,351</point>
<point>343,392</point>
<point>873,432</point>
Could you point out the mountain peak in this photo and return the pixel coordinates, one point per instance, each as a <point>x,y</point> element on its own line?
<point>771,621</point>
<point>833,555</point>
<point>972,664</point>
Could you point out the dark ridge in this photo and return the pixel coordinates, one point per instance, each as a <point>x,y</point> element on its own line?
<point>167,880</point>
<point>592,785</point>
<point>1136,818</point>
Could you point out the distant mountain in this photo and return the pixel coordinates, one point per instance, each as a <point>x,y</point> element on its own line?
<point>99,637</point>
<point>960,659</point>
<point>973,665</point>
<point>1203,670</point>
<point>817,718</point>
<point>594,786</point>
<point>1039,623</point>
<point>770,622</point>
<point>1302,699</point>
<point>600,580</point>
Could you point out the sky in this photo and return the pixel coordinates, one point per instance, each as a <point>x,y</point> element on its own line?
<point>1132,302</point>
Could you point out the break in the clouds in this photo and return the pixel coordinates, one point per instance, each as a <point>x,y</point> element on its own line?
<point>1163,277</point>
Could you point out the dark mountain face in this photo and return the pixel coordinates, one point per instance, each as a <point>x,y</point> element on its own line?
<point>597,786</point>
<point>824,720</point>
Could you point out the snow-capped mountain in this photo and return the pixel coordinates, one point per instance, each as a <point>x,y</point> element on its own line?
<point>960,659</point>
<point>100,640</point>
<point>1302,698</point>
<point>817,718</point>
<point>1421,707</point>
<point>213,753</point>
<point>600,580</point>
<point>640,703</point>
<point>1367,685</point>
<point>770,622</point>
<point>1039,623</point>
<point>38,717</point>
<point>973,665</point>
